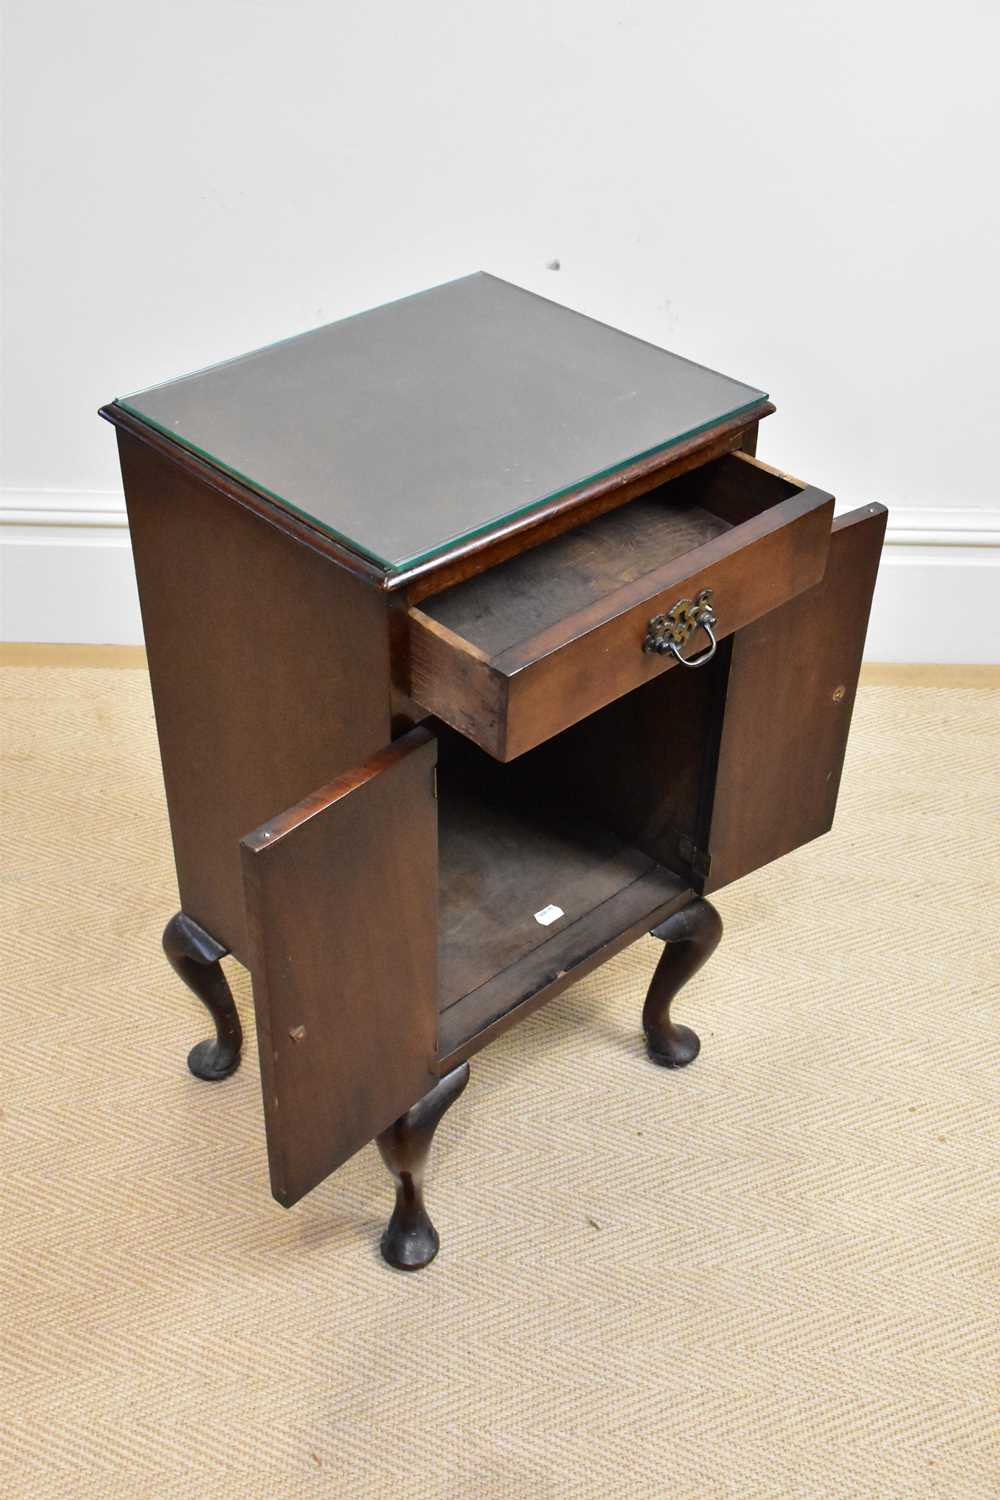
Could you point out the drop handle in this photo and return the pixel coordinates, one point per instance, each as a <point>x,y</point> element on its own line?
<point>668,632</point>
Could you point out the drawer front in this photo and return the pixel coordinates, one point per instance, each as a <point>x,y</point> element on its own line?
<point>514,700</point>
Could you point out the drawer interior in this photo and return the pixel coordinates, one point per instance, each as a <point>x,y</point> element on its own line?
<point>534,591</point>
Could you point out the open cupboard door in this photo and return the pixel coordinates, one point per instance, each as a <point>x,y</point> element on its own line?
<point>341,897</point>
<point>788,702</point>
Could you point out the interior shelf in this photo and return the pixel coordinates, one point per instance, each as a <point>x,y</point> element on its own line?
<point>502,862</point>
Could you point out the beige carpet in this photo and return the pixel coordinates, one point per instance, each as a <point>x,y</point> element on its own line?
<point>772,1275</point>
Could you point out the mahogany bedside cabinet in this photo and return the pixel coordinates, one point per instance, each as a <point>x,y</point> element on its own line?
<point>480,644</point>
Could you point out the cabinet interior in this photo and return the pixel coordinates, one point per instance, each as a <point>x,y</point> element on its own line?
<point>600,821</point>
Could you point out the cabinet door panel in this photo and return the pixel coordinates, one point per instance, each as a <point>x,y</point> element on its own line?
<point>789,698</point>
<point>341,895</point>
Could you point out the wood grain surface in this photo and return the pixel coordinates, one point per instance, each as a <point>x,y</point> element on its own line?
<point>341,898</point>
<point>789,700</point>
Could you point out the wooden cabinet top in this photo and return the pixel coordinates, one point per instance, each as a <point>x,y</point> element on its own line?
<point>433,424</point>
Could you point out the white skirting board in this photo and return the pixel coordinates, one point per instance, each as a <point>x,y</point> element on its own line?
<point>66,575</point>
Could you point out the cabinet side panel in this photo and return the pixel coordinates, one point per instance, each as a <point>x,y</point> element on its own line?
<point>269,669</point>
<point>790,695</point>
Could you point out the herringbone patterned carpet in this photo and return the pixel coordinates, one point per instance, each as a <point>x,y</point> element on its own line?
<point>772,1275</point>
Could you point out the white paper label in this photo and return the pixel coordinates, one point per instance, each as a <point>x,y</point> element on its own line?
<point>549,914</point>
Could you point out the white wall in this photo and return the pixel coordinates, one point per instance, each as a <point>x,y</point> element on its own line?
<point>802,195</point>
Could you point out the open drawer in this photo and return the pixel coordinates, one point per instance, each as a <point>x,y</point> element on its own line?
<point>522,651</point>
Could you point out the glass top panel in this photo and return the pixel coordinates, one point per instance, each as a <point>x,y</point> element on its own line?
<point>432,419</point>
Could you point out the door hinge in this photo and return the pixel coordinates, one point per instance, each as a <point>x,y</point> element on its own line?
<point>699,860</point>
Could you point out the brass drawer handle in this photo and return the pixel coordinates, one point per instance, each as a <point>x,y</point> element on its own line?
<point>669,632</point>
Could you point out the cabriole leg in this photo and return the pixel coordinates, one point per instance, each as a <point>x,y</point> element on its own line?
<point>691,937</point>
<point>194,956</point>
<point>411,1241</point>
